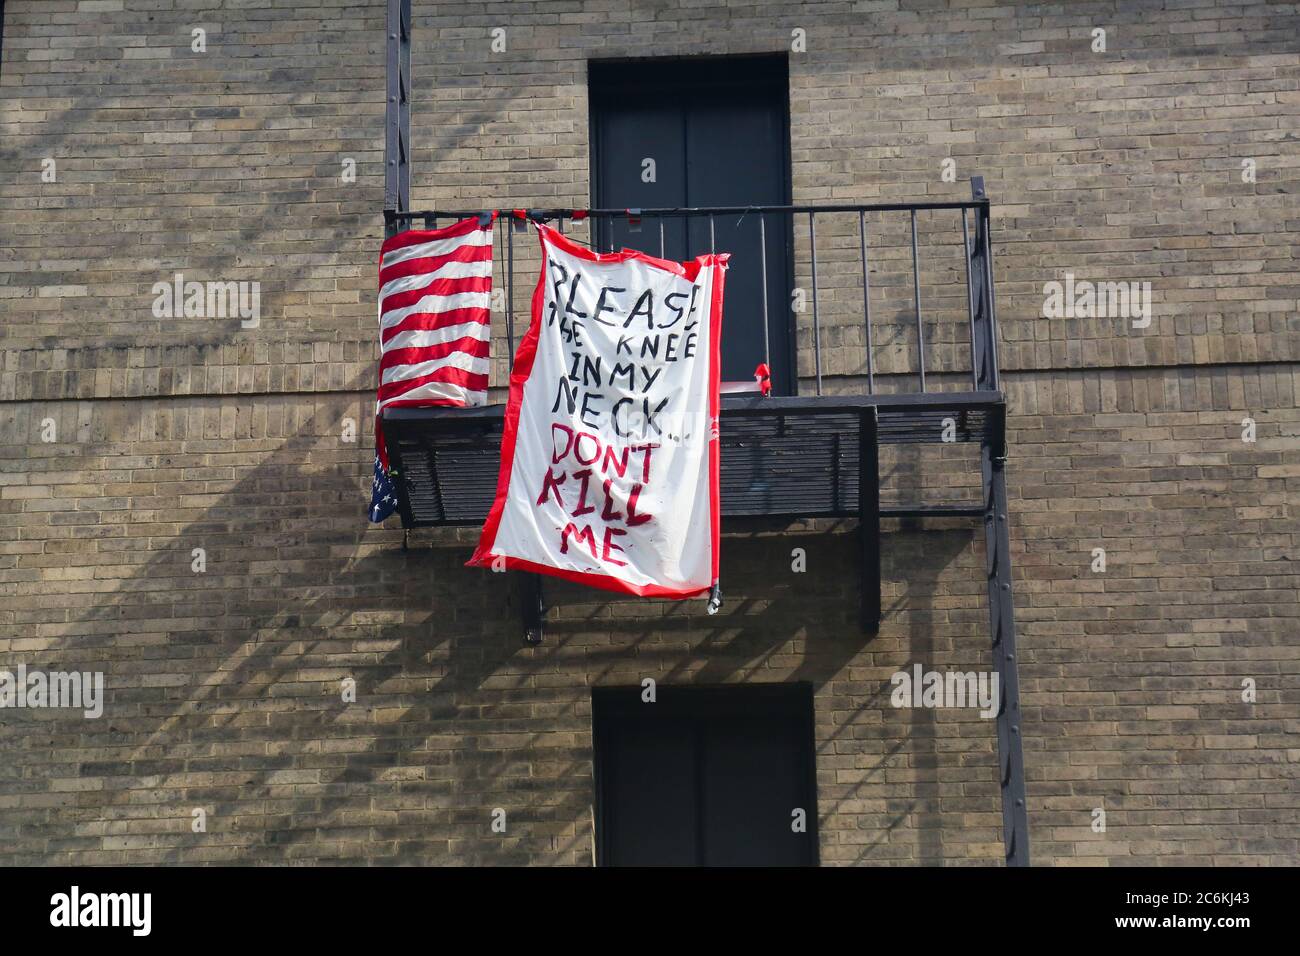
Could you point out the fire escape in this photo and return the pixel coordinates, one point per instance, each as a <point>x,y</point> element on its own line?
<point>799,456</point>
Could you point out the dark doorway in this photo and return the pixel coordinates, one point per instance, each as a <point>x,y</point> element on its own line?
<point>717,131</point>
<point>705,776</point>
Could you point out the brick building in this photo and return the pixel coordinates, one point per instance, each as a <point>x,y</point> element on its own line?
<point>182,498</point>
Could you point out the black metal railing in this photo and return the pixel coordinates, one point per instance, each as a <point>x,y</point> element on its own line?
<point>976,253</point>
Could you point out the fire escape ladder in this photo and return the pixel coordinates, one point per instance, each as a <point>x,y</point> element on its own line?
<point>397,115</point>
<point>997,543</point>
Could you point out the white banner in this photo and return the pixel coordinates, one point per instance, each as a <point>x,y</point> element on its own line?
<point>609,460</point>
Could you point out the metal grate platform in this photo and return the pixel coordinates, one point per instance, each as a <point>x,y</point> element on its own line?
<point>781,457</point>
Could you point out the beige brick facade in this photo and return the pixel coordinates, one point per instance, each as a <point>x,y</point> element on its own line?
<point>176,434</point>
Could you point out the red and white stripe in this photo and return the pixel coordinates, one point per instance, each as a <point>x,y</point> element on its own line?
<point>435,290</point>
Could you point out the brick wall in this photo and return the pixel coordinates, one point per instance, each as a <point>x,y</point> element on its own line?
<point>180,434</point>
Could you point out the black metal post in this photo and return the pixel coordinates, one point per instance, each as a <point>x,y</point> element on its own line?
<point>992,307</point>
<point>970,303</point>
<point>510,296</point>
<point>866,302</point>
<point>817,329</point>
<point>916,297</point>
<point>869,516</point>
<point>762,243</point>
<point>981,267</point>
<point>397,114</point>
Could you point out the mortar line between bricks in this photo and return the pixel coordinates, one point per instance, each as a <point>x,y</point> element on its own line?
<point>1006,373</point>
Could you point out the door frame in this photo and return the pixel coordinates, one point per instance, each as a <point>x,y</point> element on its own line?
<point>683,74</point>
<point>622,698</point>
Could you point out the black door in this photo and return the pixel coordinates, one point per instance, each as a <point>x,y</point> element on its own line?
<point>698,133</point>
<point>705,776</point>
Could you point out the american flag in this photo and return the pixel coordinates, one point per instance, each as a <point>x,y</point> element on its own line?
<point>435,290</point>
<point>383,499</point>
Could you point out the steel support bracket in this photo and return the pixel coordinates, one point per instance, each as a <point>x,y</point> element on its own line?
<point>533,609</point>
